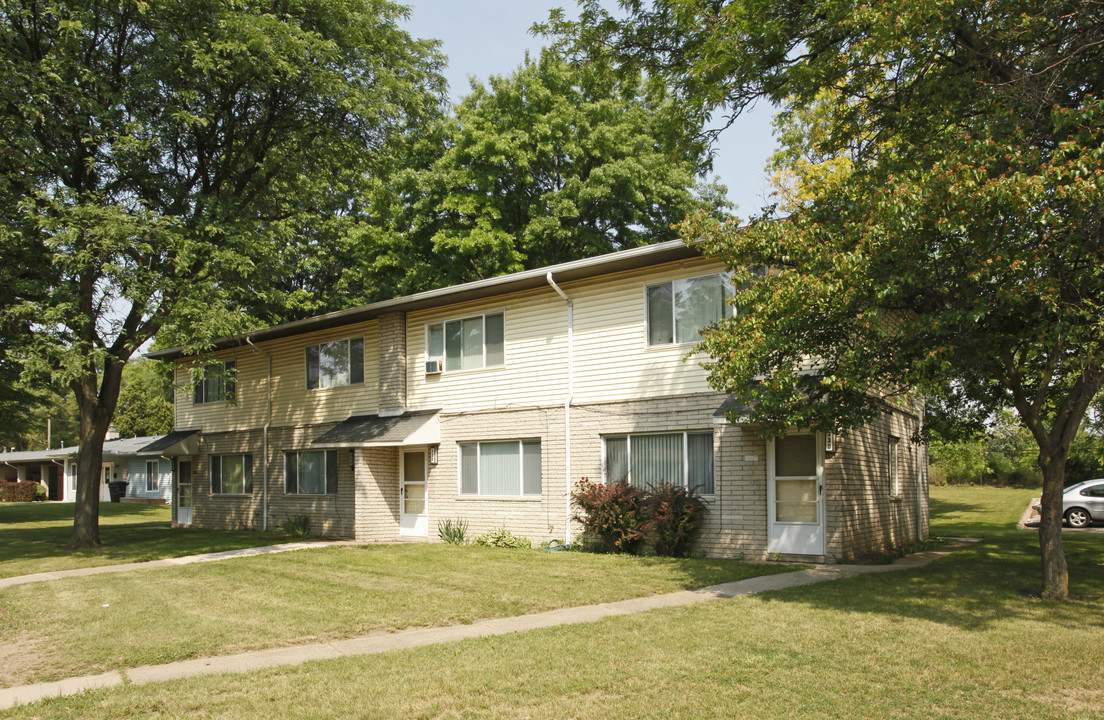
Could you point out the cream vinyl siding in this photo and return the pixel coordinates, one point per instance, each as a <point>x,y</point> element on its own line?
<point>612,357</point>
<point>292,403</point>
<point>535,351</point>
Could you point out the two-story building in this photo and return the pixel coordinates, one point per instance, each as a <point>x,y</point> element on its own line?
<point>488,401</point>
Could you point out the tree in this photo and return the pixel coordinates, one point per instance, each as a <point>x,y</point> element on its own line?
<point>550,163</point>
<point>158,153</point>
<point>145,399</point>
<point>961,256</point>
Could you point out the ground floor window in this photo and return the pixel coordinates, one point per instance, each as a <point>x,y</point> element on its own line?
<point>152,471</point>
<point>311,472</point>
<point>512,467</point>
<point>648,461</point>
<point>893,471</point>
<point>232,474</point>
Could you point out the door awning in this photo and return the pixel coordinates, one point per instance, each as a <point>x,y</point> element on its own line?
<point>178,442</point>
<point>417,427</point>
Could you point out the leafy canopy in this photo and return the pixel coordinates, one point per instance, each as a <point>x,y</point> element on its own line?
<point>160,155</point>
<point>955,247</point>
<point>553,162</point>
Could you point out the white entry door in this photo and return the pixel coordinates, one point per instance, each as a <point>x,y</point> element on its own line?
<point>184,492</point>
<point>413,518</point>
<point>106,476</point>
<point>795,495</point>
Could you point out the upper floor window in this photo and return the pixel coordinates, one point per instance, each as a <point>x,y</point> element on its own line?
<point>679,310</point>
<point>217,384</point>
<point>470,343</point>
<point>335,364</point>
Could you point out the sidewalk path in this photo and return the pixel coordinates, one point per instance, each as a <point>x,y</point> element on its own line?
<point>384,641</point>
<point>170,562</point>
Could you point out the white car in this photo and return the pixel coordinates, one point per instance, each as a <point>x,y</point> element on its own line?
<point>1083,503</point>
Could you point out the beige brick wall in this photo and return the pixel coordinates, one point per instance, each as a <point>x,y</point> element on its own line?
<point>737,521</point>
<point>330,515</point>
<point>862,516</point>
<point>392,361</point>
<point>377,494</point>
<point>538,518</point>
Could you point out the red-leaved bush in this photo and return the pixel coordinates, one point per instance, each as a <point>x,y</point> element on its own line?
<point>619,518</point>
<point>612,515</point>
<point>675,516</point>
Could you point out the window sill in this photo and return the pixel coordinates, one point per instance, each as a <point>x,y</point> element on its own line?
<point>335,387</point>
<point>454,373</point>
<point>668,346</point>
<point>500,498</point>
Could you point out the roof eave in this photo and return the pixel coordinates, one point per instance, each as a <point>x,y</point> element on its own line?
<point>620,261</point>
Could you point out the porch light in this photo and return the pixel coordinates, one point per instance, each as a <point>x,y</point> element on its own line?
<point>433,454</point>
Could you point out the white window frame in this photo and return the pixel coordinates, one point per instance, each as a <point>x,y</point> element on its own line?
<point>207,391</point>
<point>153,473</point>
<point>326,479</point>
<point>893,466</point>
<point>442,356</point>
<point>685,456</point>
<point>320,377</point>
<point>727,309</point>
<point>479,480</point>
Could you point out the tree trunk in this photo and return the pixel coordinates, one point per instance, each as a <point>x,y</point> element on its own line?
<point>97,394</point>
<point>1055,570</point>
<point>86,513</point>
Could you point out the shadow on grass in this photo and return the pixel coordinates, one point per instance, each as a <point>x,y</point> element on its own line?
<point>34,536</point>
<point>974,588</point>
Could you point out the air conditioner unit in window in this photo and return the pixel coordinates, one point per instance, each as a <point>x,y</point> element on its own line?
<point>433,367</point>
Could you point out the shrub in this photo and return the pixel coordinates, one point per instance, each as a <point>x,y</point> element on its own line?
<point>503,538</point>
<point>298,526</point>
<point>452,532</point>
<point>20,491</point>
<point>612,515</point>
<point>674,518</point>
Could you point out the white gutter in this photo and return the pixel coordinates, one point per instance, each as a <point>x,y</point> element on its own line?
<point>267,425</point>
<point>567,403</point>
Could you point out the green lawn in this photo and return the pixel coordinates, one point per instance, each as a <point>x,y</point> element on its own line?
<point>33,537</point>
<point>965,637</point>
<point>91,624</point>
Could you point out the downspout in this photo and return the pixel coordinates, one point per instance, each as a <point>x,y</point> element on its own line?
<point>567,403</point>
<point>267,425</point>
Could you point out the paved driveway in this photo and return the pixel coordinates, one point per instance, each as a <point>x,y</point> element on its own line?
<point>1030,521</point>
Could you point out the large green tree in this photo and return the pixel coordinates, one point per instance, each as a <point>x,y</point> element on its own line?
<point>960,253</point>
<point>550,163</point>
<point>145,404</point>
<point>158,154</point>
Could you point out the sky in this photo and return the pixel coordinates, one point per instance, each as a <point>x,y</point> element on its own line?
<point>489,37</point>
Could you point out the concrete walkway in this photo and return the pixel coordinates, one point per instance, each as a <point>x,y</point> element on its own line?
<point>169,562</point>
<point>384,641</point>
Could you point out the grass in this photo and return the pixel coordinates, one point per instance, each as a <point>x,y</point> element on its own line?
<point>965,637</point>
<point>86,625</point>
<point>33,537</point>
